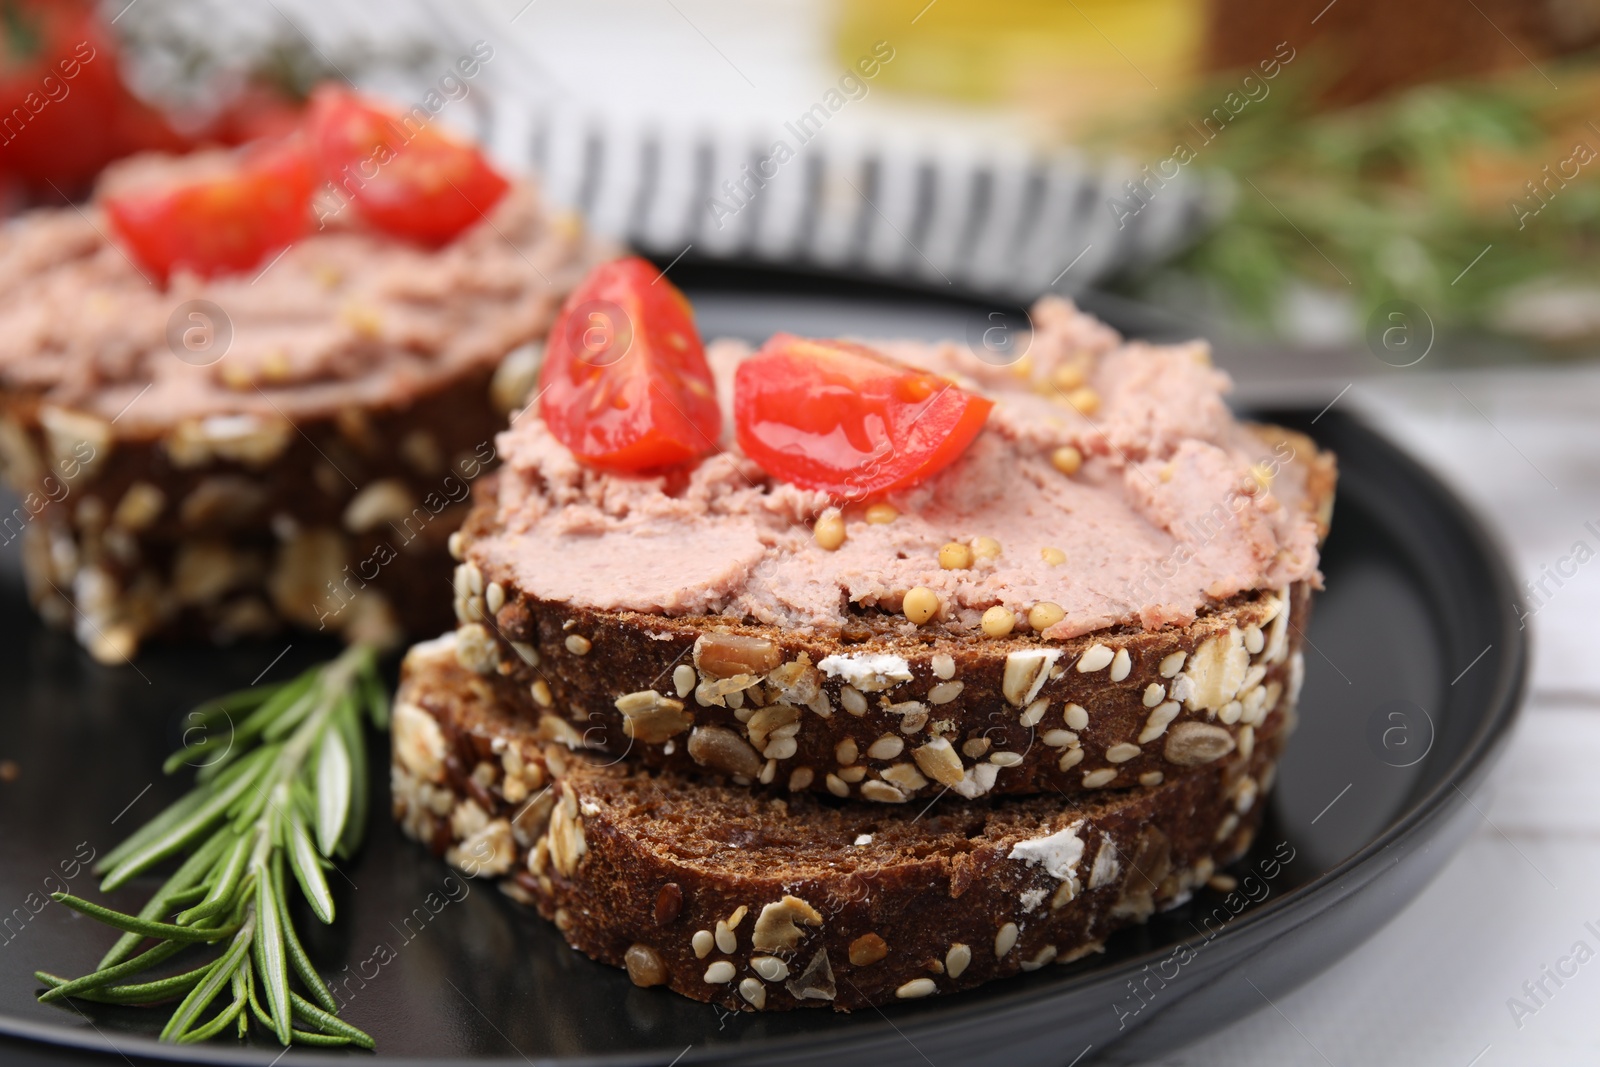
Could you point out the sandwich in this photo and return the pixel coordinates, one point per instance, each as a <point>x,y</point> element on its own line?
<point>916,672</point>
<point>246,389</point>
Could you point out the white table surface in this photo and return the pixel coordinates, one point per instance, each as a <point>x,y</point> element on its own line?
<point>1433,986</point>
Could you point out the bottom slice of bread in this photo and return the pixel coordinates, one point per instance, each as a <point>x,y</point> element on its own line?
<point>761,902</point>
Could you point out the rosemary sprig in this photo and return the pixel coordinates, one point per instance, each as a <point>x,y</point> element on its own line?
<point>285,787</point>
<point>1388,199</point>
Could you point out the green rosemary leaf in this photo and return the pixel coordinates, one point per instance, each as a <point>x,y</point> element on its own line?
<point>183,879</point>
<point>305,801</point>
<point>286,720</point>
<point>247,732</point>
<point>224,707</point>
<point>291,943</point>
<point>348,723</point>
<point>48,980</point>
<point>187,897</point>
<point>310,1013</point>
<point>176,811</point>
<point>284,800</point>
<point>268,801</point>
<point>374,694</point>
<point>308,871</point>
<point>52,982</point>
<point>261,1014</point>
<point>144,927</point>
<point>218,1023</point>
<point>333,790</point>
<point>271,963</point>
<point>288,694</point>
<point>157,991</point>
<point>309,1037</point>
<point>241,992</point>
<point>229,787</point>
<point>307,867</point>
<point>224,882</point>
<point>201,996</point>
<point>153,992</point>
<point>247,811</point>
<point>108,975</point>
<point>192,754</point>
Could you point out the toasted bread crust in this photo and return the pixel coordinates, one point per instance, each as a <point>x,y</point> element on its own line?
<point>1013,715</point>
<point>752,901</point>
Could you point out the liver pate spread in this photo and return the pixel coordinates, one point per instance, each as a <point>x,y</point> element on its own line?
<point>1177,506</point>
<point>346,317</point>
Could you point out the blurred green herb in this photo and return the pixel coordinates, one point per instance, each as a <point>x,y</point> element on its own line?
<point>186,60</point>
<point>1399,197</point>
<point>279,795</point>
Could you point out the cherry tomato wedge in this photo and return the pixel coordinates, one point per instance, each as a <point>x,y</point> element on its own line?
<point>845,419</point>
<point>406,177</point>
<point>219,222</point>
<point>625,383</point>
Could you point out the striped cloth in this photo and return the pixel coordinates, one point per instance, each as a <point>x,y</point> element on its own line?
<point>1010,223</point>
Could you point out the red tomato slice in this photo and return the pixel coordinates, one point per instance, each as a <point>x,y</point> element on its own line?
<point>625,383</point>
<point>406,177</point>
<point>223,222</point>
<point>845,419</point>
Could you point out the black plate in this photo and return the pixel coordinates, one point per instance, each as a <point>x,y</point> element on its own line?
<point>1414,672</point>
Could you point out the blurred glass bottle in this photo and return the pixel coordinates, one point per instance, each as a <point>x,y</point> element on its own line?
<point>1069,63</point>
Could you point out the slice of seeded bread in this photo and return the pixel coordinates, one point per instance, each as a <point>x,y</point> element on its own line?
<point>883,715</point>
<point>754,901</point>
<point>891,719</point>
<point>233,535</point>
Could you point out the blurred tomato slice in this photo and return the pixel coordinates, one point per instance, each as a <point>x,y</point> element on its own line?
<point>223,222</point>
<point>405,177</point>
